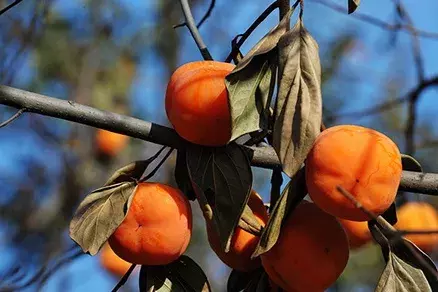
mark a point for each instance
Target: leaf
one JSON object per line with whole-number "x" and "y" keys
{"x": 398, "y": 276}
{"x": 184, "y": 274}
{"x": 292, "y": 195}
{"x": 131, "y": 172}
{"x": 99, "y": 215}
{"x": 249, "y": 223}
{"x": 410, "y": 163}
{"x": 238, "y": 280}
{"x": 353, "y": 5}
{"x": 251, "y": 84}
{"x": 249, "y": 93}
{"x": 182, "y": 175}
{"x": 390, "y": 214}
{"x": 298, "y": 111}
{"x": 222, "y": 180}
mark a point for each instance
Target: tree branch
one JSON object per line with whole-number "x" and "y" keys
{"x": 10, "y": 6}
{"x": 208, "y": 13}
{"x": 377, "y": 22}
{"x": 264, "y": 157}
{"x": 190, "y": 22}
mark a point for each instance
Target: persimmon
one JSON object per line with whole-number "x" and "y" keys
{"x": 197, "y": 102}
{"x": 157, "y": 227}
{"x": 310, "y": 253}
{"x": 110, "y": 143}
{"x": 419, "y": 216}
{"x": 363, "y": 161}
{"x": 243, "y": 243}
{"x": 112, "y": 262}
{"x": 358, "y": 233}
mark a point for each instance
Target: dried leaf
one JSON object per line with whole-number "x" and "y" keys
{"x": 410, "y": 163}
{"x": 249, "y": 223}
{"x": 182, "y": 175}
{"x": 298, "y": 111}
{"x": 99, "y": 215}
{"x": 182, "y": 275}
{"x": 292, "y": 195}
{"x": 251, "y": 84}
{"x": 222, "y": 180}
{"x": 398, "y": 276}
{"x": 353, "y": 5}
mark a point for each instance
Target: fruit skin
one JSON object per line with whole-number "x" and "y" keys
{"x": 112, "y": 262}
{"x": 311, "y": 252}
{"x": 358, "y": 233}
{"x": 197, "y": 102}
{"x": 157, "y": 227}
{"x": 419, "y": 216}
{"x": 363, "y": 161}
{"x": 243, "y": 243}
{"x": 110, "y": 143}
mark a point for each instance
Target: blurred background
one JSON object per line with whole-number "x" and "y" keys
{"x": 118, "y": 55}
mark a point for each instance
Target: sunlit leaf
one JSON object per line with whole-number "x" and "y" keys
{"x": 99, "y": 215}
{"x": 222, "y": 180}
{"x": 298, "y": 111}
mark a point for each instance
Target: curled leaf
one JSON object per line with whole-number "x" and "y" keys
{"x": 292, "y": 195}
{"x": 222, "y": 180}
{"x": 410, "y": 163}
{"x": 99, "y": 215}
{"x": 249, "y": 223}
{"x": 298, "y": 110}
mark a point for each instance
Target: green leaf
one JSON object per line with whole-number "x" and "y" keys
{"x": 399, "y": 276}
{"x": 353, "y": 5}
{"x": 249, "y": 93}
{"x": 292, "y": 195}
{"x": 99, "y": 215}
{"x": 410, "y": 163}
{"x": 131, "y": 172}
{"x": 298, "y": 111}
{"x": 222, "y": 180}
{"x": 182, "y": 175}
{"x": 181, "y": 275}
{"x": 251, "y": 84}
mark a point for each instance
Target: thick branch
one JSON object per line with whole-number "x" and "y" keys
{"x": 264, "y": 157}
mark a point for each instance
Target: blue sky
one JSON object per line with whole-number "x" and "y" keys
{"x": 370, "y": 58}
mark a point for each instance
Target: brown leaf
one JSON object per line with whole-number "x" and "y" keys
{"x": 131, "y": 172}
{"x": 99, "y": 215}
{"x": 249, "y": 223}
{"x": 353, "y": 5}
{"x": 298, "y": 111}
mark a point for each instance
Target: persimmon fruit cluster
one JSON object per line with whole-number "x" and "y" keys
{"x": 363, "y": 161}
{"x": 243, "y": 243}
{"x": 157, "y": 227}
{"x": 197, "y": 102}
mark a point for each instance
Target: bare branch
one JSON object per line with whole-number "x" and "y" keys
{"x": 377, "y": 22}
{"x": 190, "y": 22}
{"x": 264, "y": 157}
{"x": 208, "y": 13}
{"x": 10, "y": 6}
{"x": 13, "y": 118}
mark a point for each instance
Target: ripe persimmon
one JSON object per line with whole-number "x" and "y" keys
{"x": 311, "y": 252}
{"x": 157, "y": 227}
{"x": 363, "y": 161}
{"x": 197, "y": 102}
{"x": 419, "y": 216}
{"x": 112, "y": 262}
{"x": 357, "y": 232}
{"x": 243, "y": 243}
{"x": 110, "y": 143}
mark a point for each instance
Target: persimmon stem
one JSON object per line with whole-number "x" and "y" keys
{"x": 190, "y": 23}
{"x": 152, "y": 173}
{"x": 124, "y": 279}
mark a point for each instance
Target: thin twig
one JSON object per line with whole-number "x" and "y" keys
{"x": 13, "y": 118}
{"x": 250, "y": 29}
{"x": 190, "y": 22}
{"x": 10, "y": 6}
{"x": 208, "y": 13}
{"x": 152, "y": 173}
{"x": 377, "y": 22}
{"x": 124, "y": 279}
{"x": 283, "y": 7}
